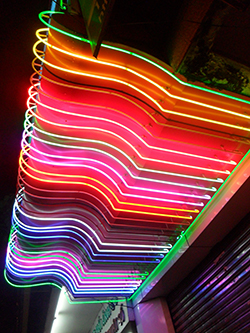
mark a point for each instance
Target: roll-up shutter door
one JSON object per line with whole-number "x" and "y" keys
{"x": 215, "y": 297}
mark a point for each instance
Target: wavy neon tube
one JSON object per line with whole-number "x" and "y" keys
{"x": 117, "y": 277}
{"x": 73, "y": 269}
{"x": 47, "y": 14}
{"x": 148, "y": 96}
{"x": 219, "y": 180}
{"x": 164, "y": 248}
{"x": 135, "y": 232}
{"x": 28, "y": 285}
{"x": 133, "y": 219}
{"x": 80, "y": 266}
{"x": 80, "y": 280}
{"x": 144, "y": 94}
{"x": 44, "y": 41}
{"x": 94, "y": 222}
{"x": 25, "y": 272}
{"x": 107, "y": 173}
{"x": 128, "y": 259}
{"x": 22, "y": 161}
{"x": 27, "y": 147}
{"x": 150, "y": 115}
{"x": 122, "y": 152}
{"x": 47, "y": 261}
{"x": 130, "y": 160}
{"x": 38, "y": 232}
{"x": 102, "y": 193}
{"x": 110, "y": 237}
{"x": 118, "y": 188}
{"x": 99, "y": 276}
{"x": 69, "y": 279}
{"x": 105, "y": 120}
{"x": 81, "y": 88}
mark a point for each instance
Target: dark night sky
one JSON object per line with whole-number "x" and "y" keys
{"x": 19, "y": 21}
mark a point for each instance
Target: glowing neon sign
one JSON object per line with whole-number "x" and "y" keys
{"x": 118, "y": 158}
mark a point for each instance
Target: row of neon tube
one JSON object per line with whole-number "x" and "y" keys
{"x": 102, "y": 186}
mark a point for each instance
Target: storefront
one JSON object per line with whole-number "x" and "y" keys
{"x": 215, "y": 296}
{"x": 114, "y": 318}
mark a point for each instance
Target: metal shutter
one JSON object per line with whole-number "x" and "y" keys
{"x": 215, "y": 297}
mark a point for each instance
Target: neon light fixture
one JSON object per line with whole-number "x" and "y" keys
{"x": 118, "y": 158}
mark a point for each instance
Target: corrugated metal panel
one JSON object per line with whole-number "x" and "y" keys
{"x": 216, "y": 296}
